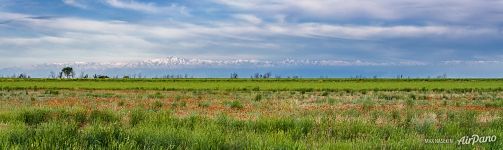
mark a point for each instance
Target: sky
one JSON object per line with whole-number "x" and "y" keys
{"x": 410, "y": 32}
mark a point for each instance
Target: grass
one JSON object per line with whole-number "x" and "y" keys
{"x": 162, "y": 130}
{"x": 204, "y": 104}
{"x": 255, "y": 85}
{"x": 300, "y": 116}
{"x": 236, "y": 104}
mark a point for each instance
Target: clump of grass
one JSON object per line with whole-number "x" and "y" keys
{"x": 97, "y": 136}
{"x": 101, "y": 95}
{"x": 325, "y": 93}
{"x": 157, "y": 95}
{"x": 458, "y": 104}
{"x": 136, "y": 116}
{"x": 102, "y": 116}
{"x": 178, "y": 98}
{"x": 51, "y": 92}
{"x": 367, "y": 104}
{"x": 121, "y": 103}
{"x": 444, "y": 103}
{"x": 235, "y": 104}
{"x": 410, "y": 102}
{"x": 331, "y": 101}
{"x": 258, "y": 97}
{"x": 178, "y": 103}
{"x": 80, "y": 117}
{"x": 34, "y": 116}
{"x": 157, "y": 105}
{"x": 494, "y": 104}
{"x": 204, "y": 104}
{"x": 395, "y": 115}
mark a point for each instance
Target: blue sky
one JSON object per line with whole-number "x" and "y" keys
{"x": 417, "y": 32}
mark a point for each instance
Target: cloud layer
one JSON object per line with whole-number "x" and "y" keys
{"x": 373, "y": 31}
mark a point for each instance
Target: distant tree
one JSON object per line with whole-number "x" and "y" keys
{"x": 68, "y": 71}
{"x": 82, "y": 74}
{"x": 23, "y": 76}
{"x": 256, "y": 75}
{"x": 234, "y": 75}
{"x": 52, "y": 75}
{"x": 267, "y": 75}
{"x": 103, "y": 77}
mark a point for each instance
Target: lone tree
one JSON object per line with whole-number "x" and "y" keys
{"x": 68, "y": 72}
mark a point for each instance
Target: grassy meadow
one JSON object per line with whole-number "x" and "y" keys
{"x": 249, "y": 114}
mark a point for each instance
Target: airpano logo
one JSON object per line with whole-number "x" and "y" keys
{"x": 465, "y": 140}
{"x": 474, "y": 139}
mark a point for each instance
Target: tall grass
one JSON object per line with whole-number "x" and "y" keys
{"x": 105, "y": 129}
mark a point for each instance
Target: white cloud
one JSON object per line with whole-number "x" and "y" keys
{"x": 248, "y": 18}
{"x": 379, "y": 32}
{"x": 461, "y": 11}
{"x": 147, "y": 7}
{"x": 472, "y": 62}
{"x": 177, "y": 30}
{"x": 75, "y": 3}
{"x": 103, "y": 40}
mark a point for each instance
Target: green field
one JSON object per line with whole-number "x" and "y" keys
{"x": 250, "y": 84}
{"x": 249, "y": 114}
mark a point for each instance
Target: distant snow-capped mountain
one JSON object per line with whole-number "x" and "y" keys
{"x": 176, "y": 62}
{"x": 209, "y": 67}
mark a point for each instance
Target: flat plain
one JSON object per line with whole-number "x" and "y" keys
{"x": 249, "y": 113}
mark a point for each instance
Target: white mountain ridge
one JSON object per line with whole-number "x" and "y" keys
{"x": 177, "y": 62}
